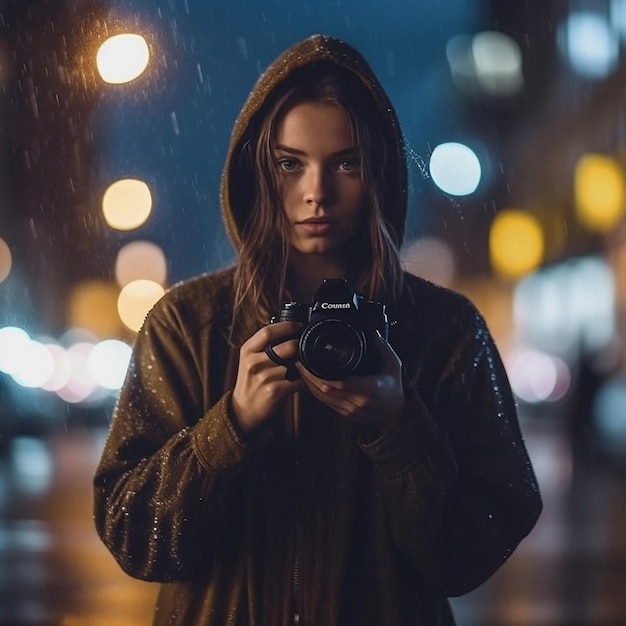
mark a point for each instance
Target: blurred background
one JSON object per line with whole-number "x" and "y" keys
{"x": 114, "y": 122}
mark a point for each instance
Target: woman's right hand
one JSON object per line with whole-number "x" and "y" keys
{"x": 261, "y": 385}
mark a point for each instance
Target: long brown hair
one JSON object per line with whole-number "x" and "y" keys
{"x": 261, "y": 273}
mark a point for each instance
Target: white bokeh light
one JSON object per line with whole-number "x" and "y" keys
{"x": 108, "y": 362}
{"x": 12, "y": 342}
{"x": 498, "y": 61}
{"x": 455, "y": 168}
{"x": 489, "y": 61}
{"x": 33, "y": 365}
{"x": 590, "y": 44}
{"x": 583, "y": 288}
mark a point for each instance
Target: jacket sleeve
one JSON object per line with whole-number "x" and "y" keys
{"x": 459, "y": 488}
{"x": 161, "y": 487}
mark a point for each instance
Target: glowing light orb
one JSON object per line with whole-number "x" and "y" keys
{"x": 516, "y": 243}
{"x": 108, "y": 362}
{"x": 127, "y": 204}
{"x": 135, "y": 300}
{"x": 122, "y": 58}
{"x": 600, "y": 192}
{"x": 455, "y": 169}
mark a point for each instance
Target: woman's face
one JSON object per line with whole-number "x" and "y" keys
{"x": 319, "y": 175}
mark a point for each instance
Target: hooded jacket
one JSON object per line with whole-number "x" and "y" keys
{"x": 316, "y": 520}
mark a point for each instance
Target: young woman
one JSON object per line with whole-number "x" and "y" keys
{"x": 260, "y": 498}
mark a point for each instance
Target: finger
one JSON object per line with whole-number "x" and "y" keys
{"x": 325, "y": 386}
{"x": 287, "y": 349}
{"x": 336, "y": 402}
{"x": 350, "y": 394}
{"x": 358, "y": 387}
{"x": 269, "y": 333}
{"x": 274, "y": 376}
{"x": 290, "y": 385}
{"x": 352, "y": 407}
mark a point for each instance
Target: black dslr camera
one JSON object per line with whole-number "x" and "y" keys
{"x": 339, "y": 336}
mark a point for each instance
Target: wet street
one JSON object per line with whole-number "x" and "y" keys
{"x": 54, "y": 571}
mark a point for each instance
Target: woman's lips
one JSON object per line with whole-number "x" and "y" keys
{"x": 316, "y": 226}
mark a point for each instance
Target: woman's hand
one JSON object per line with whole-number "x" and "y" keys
{"x": 261, "y": 385}
{"x": 367, "y": 399}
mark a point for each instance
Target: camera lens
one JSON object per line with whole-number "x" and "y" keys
{"x": 331, "y": 348}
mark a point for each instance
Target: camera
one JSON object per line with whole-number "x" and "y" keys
{"x": 339, "y": 334}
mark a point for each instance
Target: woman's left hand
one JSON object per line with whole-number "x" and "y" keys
{"x": 371, "y": 399}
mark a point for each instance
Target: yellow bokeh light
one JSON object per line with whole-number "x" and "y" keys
{"x": 6, "y": 261}
{"x": 599, "y": 192}
{"x": 92, "y": 305}
{"x": 127, "y": 204}
{"x": 135, "y": 301}
{"x": 122, "y": 58}
{"x": 516, "y": 243}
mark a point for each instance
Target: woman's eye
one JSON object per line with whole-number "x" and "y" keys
{"x": 348, "y": 165}
{"x": 288, "y": 165}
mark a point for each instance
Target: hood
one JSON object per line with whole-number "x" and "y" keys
{"x": 236, "y": 183}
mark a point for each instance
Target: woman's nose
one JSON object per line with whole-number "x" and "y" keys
{"x": 317, "y": 187}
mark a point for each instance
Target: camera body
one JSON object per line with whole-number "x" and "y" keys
{"x": 339, "y": 334}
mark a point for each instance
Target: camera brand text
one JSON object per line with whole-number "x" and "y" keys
{"x": 338, "y": 305}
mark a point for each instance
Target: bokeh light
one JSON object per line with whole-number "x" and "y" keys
{"x": 455, "y": 168}
{"x": 600, "y": 192}
{"x": 140, "y": 260}
{"x": 488, "y": 61}
{"x": 80, "y": 384}
{"x": 32, "y": 365}
{"x": 135, "y": 301}
{"x": 33, "y": 468}
{"x": 589, "y": 44}
{"x": 108, "y": 362}
{"x": 6, "y": 260}
{"x": 609, "y": 414}
{"x": 12, "y": 341}
{"x": 92, "y": 305}
{"x": 568, "y": 308}
{"x": 536, "y": 376}
{"x": 62, "y": 368}
{"x": 498, "y": 62}
{"x": 127, "y": 204}
{"x": 122, "y": 58}
{"x": 516, "y": 243}
{"x": 430, "y": 258}
{"x": 617, "y": 16}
